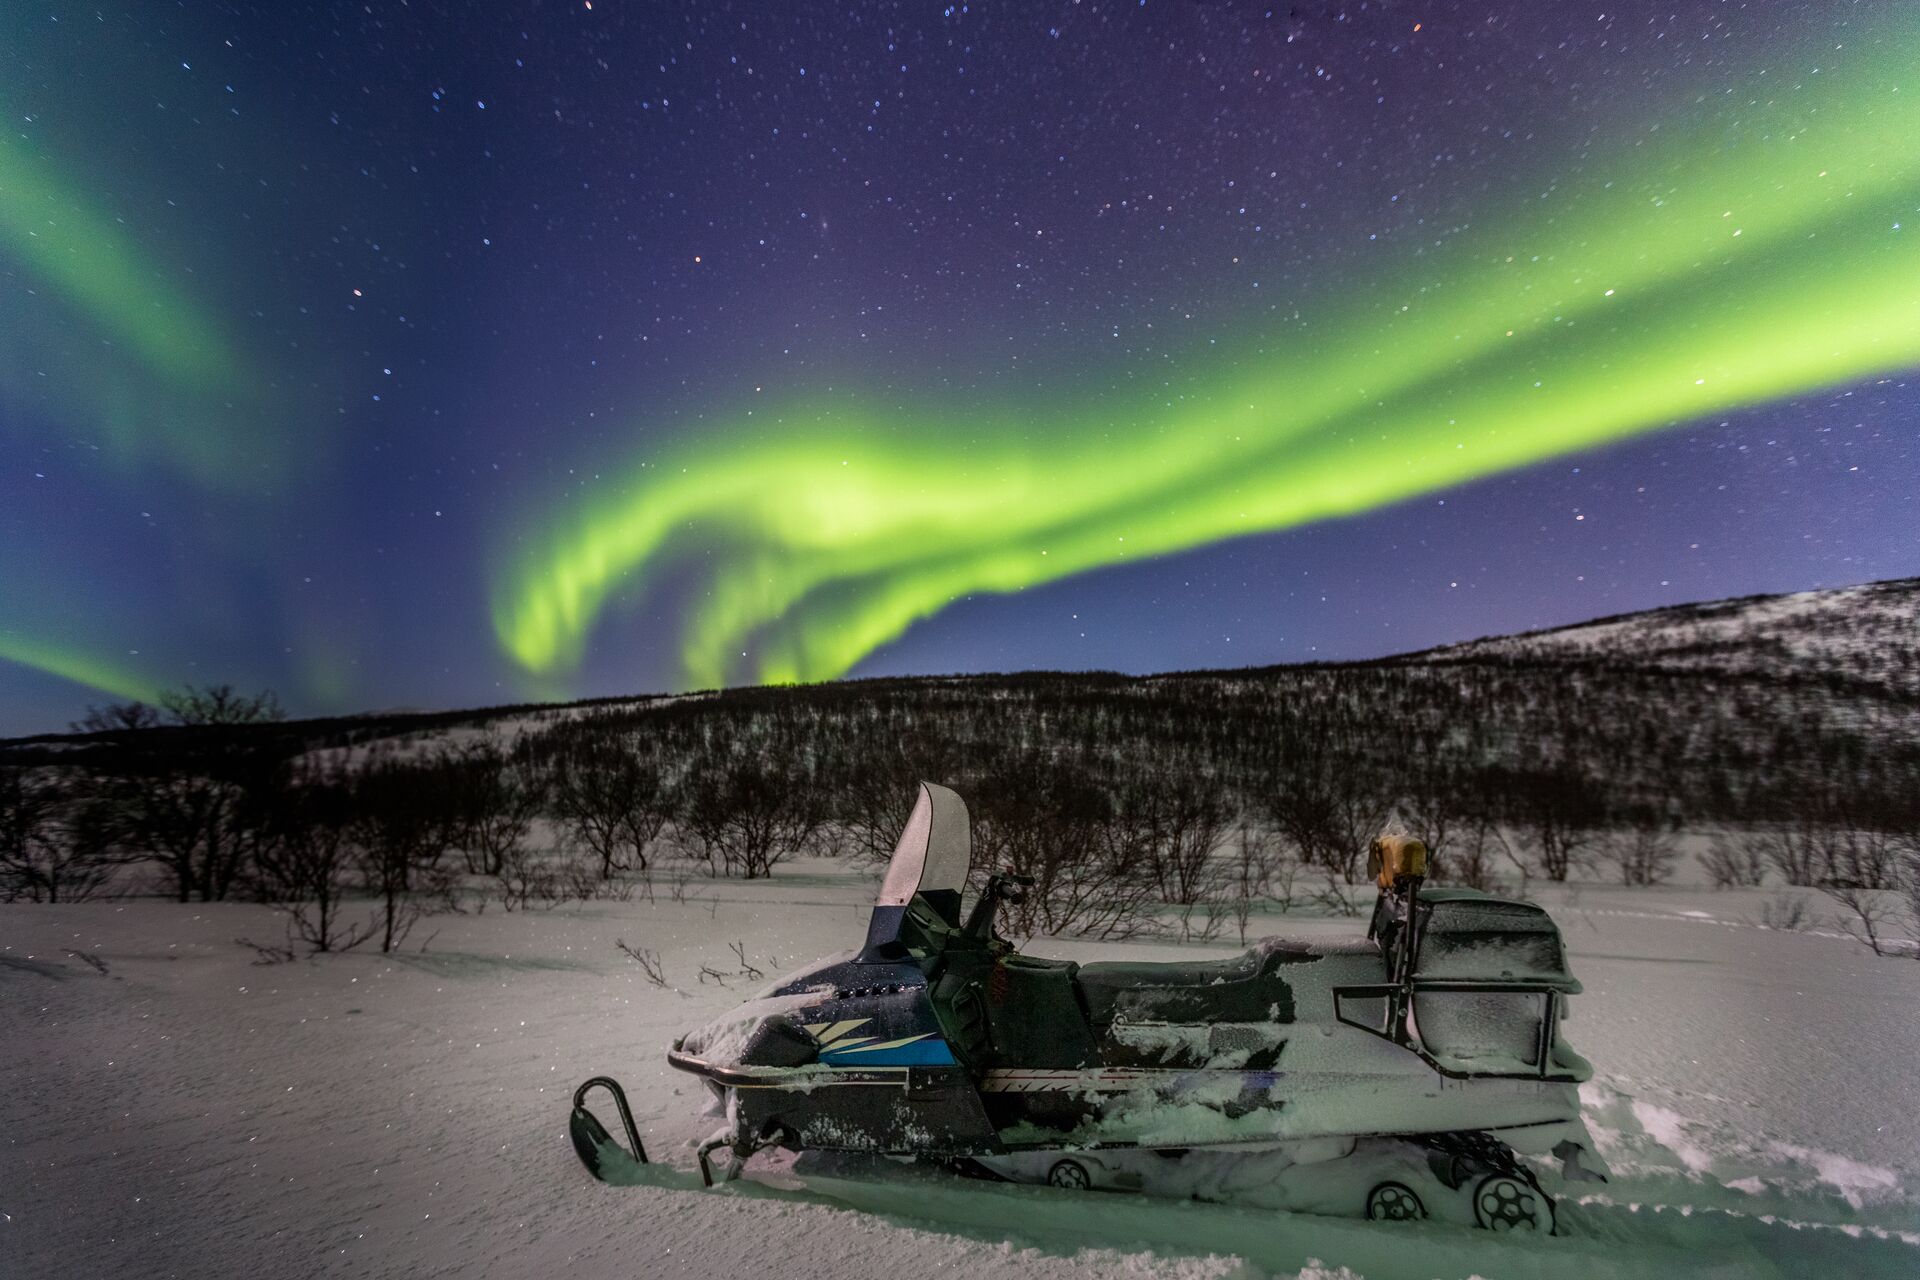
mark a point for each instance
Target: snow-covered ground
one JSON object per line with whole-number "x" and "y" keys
{"x": 187, "y": 1112}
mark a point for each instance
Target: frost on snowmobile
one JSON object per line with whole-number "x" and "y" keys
{"x": 1407, "y": 1067}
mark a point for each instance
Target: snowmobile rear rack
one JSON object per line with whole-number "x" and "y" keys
{"x": 589, "y": 1135}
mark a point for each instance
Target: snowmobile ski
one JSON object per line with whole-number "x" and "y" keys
{"x": 590, "y": 1137}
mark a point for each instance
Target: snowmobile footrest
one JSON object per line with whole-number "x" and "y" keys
{"x": 589, "y": 1135}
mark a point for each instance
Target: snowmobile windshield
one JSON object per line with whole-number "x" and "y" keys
{"x": 929, "y": 864}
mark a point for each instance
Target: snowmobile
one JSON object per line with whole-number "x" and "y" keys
{"x": 1400, "y": 1075}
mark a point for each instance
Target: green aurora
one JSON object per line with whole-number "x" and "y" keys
{"x": 71, "y": 662}
{"x": 1751, "y": 254}
{"x": 125, "y": 354}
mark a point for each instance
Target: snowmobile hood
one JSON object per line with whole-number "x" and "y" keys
{"x": 760, "y": 1032}
{"x": 772, "y": 1028}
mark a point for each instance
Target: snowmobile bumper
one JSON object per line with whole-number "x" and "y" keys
{"x": 590, "y": 1137}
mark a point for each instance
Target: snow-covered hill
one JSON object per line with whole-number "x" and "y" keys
{"x": 1858, "y": 636}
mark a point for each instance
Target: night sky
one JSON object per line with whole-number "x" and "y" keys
{"x": 413, "y": 355}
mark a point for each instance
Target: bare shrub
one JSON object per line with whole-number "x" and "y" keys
{"x": 523, "y": 878}
{"x": 743, "y": 968}
{"x": 620, "y": 889}
{"x": 1338, "y": 899}
{"x": 1171, "y": 824}
{"x": 1435, "y": 806}
{"x": 1644, "y": 853}
{"x": 1734, "y": 862}
{"x": 1861, "y": 856}
{"x": 648, "y": 960}
{"x": 1787, "y": 912}
{"x": 746, "y": 966}
{"x": 680, "y": 891}
{"x": 1330, "y": 811}
{"x": 1800, "y": 851}
{"x": 874, "y": 802}
{"x": 266, "y": 952}
{"x": 1870, "y": 917}
{"x": 1883, "y": 916}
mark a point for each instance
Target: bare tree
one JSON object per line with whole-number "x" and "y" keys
{"x": 401, "y": 828}
{"x": 1171, "y": 824}
{"x": 1559, "y": 812}
{"x": 1256, "y": 873}
{"x": 220, "y": 705}
{"x": 117, "y": 718}
{"x": 747, "y": 814}
{"x": 1049, "y": 820}
{"x": 308, "y": 859}
{"x": 57, "y": 843}
{"x": 185, "y": 801}
{"x": 494, "y": 801}
{"x": 174, "y": 814}
{"x": 611, "y": 802}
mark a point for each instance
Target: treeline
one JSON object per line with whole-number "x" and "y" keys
{"x": 1179, "y": 801}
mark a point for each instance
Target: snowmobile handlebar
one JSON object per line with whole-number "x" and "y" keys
{"x": 1005, "y": 885}
{"x": 1008, "y": 885}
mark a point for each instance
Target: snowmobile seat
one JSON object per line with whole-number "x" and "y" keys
{"x": 1015, "y": 1011}
{"x": 1244, "y": 988}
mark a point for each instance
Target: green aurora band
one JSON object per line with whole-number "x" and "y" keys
{"x": 88, "y": 260}
{"x": 133, "y": 358}
{"x": 1762, "y": 260}
{"x": 68, "y": 663}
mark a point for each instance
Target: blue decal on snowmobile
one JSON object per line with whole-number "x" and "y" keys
{"x": 926, "y": 1050}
